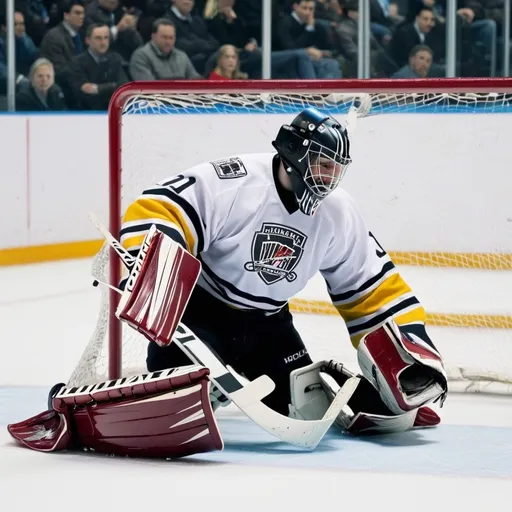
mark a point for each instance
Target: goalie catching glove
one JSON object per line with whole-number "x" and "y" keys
{"x": 314, "y": 386}
{"x": 402, "y": 374}
{"x": 406, "y": 371}
{"x": 165, "y": 414}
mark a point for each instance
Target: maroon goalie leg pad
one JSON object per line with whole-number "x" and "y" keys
{"x": 46, "y": 432}
{"x": 169, "y": 425}
{"x": 165, "y": 414}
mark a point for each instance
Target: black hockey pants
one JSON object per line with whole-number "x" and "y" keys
{"x": 252, "y": 343}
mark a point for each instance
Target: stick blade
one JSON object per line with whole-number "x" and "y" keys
{"x": 303, "y": 433}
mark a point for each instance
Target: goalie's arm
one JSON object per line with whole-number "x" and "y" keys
{"x": 364, "y": 284}
{"x": 385, "y": 320}
{"x": 178, "y": 206}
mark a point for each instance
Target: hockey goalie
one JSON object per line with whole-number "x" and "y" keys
{"x": 170, "y": 413}
{"x": 213, "y": 256}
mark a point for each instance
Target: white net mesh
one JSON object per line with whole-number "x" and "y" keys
{"x": 164, "y": 133}
{"x": 93, "y": 364}
{"x": 335, "y": 102}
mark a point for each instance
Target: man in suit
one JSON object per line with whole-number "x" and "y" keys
{"x": 61, "y": 43}
{"x": 95, "y": 74}
{"x": 299, "y": 30}
{"x": 410, "y": 34}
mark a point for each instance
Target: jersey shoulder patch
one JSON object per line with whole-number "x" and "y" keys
{"x": 229, "y": 168}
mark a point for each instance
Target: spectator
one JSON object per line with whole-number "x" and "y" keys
{"x": 410, "y": 34}
{"x": 346, "y": 32}
{"x": 159, "y": 59}
{"x": 122, "y": 23}
{"x": 250, "y": 11}
{"x": 192, "y": 35}
{"x": 61, "y": 43}
{"x": 36, "y": 18}
{"x": 228, "y": 65}
{"x": 384, "y": 17}
{"x": 95, "y": 74}
{"x": 328, "y": 10}
{"x": 227, "y": 27}
{"x": 26, "y": 52}
{"x": 299, "y": 30}
{"x": 476, "y": 35}
{"x": 420, "y": 61}
{"x": 224, "y": 24}
{"x": 42, "y": 94}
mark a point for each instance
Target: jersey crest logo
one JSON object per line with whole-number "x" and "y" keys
{"x": 229, "y": 168}
{"x": 276, "y": 250}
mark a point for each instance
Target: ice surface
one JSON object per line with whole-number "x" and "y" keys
{"x": 47, "y": 313}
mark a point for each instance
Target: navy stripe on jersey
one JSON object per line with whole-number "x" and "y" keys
{"x": 241, "y": 294}
{"x": 169, "y": 231}
{"x": 220, "y": 294}
{"x": 186, "y": 207}
{"x": 214, "y": 286}
{"x": 368, "y": 284}
{"x": 135, "y": 229}
{"x": 378, "y": 319}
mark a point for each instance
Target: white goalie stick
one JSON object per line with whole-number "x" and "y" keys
{"x": 125, "y": 256}
{"x": 247, "y": 397}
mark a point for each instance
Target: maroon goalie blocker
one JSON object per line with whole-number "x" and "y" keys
{"x": 158, "y": 287}
{"x": 163, "y": 414}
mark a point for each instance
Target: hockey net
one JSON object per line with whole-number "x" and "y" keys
{"x": 160, "y": 128}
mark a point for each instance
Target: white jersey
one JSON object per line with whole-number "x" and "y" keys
{"x": 257, "y": 252}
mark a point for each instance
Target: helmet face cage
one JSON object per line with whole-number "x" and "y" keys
{"x": 324, "y": 169}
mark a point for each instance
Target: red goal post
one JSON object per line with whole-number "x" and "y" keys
{"x": 382, "y": 93}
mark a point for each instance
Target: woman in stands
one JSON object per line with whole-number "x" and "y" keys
{"x": 42, "y": 94}
{"x": 228, "y": 65}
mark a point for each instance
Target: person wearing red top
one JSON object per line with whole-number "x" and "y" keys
{"x": 228, "y": 65}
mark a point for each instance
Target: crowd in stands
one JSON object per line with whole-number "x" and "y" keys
{"x": 73, "y": 54}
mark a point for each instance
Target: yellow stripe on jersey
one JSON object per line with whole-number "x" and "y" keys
{"x": 133, "y": 242}
{"x": 414, "y": 316}
{"x": 143, "y": 208}
{"x": 384, "y": 297}
{"x": 389, "y": 290}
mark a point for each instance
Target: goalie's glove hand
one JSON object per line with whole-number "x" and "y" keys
{"x": 406, "y": 371}
{"x": 416, "y": 378}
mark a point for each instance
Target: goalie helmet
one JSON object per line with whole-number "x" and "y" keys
{"x": 315, "y": 152}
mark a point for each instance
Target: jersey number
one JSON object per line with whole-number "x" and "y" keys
{"x": 380, "y": 250}
{"x": 179, "y": 183}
